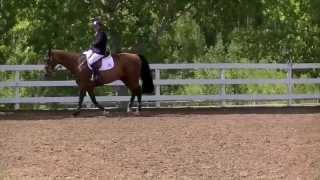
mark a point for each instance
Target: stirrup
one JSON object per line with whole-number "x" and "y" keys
{"x": 92, "y": 78}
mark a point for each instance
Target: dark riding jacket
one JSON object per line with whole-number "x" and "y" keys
{"x": 99, "y": 46}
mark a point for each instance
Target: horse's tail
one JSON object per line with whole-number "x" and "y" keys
{"x": 146, "y": 76}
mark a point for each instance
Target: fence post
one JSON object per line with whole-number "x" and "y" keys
{"x": 289, "y": 79}
{"x": 158, "y": 90}
{"x": 17, "y": 91}
{"x": 223, "y": 87}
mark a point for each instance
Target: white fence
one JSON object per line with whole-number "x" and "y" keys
{"x": 158, "y": 97}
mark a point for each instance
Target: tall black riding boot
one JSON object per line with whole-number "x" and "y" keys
{"x": 95, "y": 74}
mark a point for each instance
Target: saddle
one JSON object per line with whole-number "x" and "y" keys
{"x": 103, "y": 64}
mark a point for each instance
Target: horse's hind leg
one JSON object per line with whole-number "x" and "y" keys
{"x": 130, "y": 105}
{"x": 137, "y": 92}
{"x": 133, "y": 95}
{"x": 134, "y": 92}
{"x": 81, "y": 96}
{"x": 139, "y": 99}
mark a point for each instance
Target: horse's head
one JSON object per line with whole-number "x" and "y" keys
{"x": 50, "y": 64}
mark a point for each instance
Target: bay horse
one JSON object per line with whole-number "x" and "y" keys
{"x": 128, "y": 68}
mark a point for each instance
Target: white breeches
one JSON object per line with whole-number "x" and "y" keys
{"x": 92, "y": 57}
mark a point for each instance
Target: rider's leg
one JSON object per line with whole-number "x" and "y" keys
{"x": 92, "y": 62}
{"x": 95, "y": 72}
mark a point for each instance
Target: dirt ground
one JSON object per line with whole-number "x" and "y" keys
{"x": 249, "y": 143}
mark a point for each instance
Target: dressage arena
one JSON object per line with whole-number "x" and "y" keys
{"x": 213, "y": 143}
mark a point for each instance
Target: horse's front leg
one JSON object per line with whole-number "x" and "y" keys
{"x": 94, "y": 101}
{"x": 81, "y": 96}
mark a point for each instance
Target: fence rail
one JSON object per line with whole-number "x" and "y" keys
{"x": 289, "y": 81}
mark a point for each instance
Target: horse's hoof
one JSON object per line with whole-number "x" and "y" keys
{"x": 76, "y": 113}
{"x": 137, "y": 113}
{"x": 129, "y": 110}
{"x": 106, "y": 113}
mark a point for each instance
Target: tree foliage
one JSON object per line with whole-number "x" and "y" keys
{"x": 166, "y": 30}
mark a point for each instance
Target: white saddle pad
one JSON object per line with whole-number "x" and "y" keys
{"x": 106, "y": 64}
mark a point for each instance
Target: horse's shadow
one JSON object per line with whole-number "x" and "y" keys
{"x": 34, "y": 115}
{"x": 152, "y": 112}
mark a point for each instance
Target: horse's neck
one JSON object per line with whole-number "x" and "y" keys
{"x": 69, "y": 62}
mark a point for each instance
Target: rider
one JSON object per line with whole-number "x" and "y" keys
{"x": 98, "y": 48}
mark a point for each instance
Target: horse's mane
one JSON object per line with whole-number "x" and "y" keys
{"x": 62, "y": 52}
{"x": 73, "y": 56}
